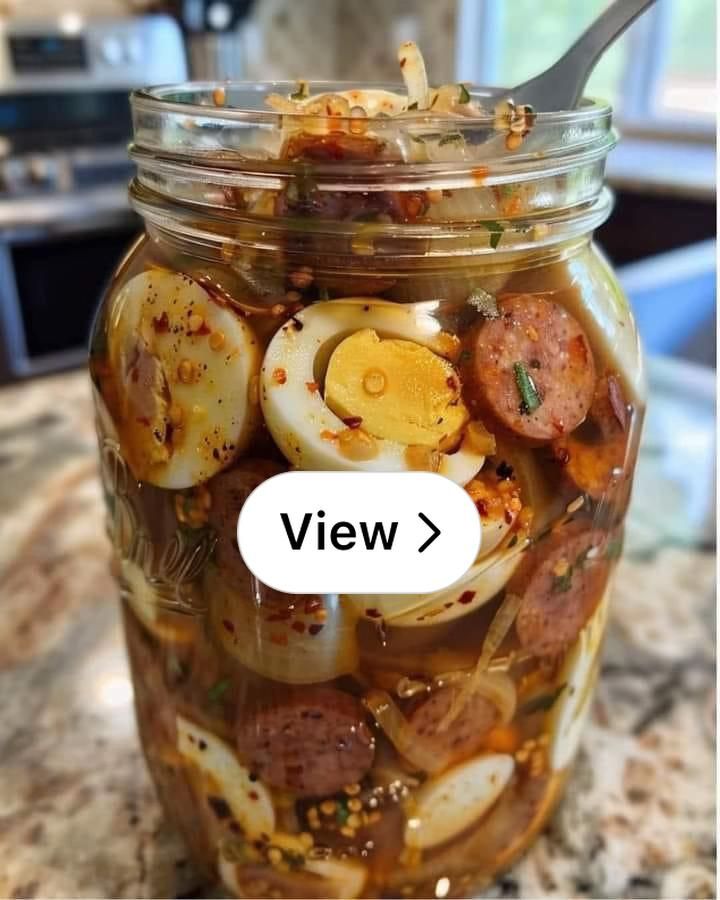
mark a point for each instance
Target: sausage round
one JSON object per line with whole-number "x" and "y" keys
{"x": 229, "y": 491}
{"x": 311, "y": 741}
{"x": 539, "y": 340}
{"x": 561, "y": 582}
{"x": 594, "y": 457}
{"x": 466, "y": 734}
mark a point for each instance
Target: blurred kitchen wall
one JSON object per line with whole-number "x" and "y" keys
{"x": 352, "y": 39}
{"x": 660, "y": 77}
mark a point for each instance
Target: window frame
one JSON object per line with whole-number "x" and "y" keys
{"x": 477, "y": 59}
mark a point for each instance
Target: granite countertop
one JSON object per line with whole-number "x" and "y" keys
{"x": 78, "y": 815}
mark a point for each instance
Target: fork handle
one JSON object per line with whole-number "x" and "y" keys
{"x": 561, "y": 86}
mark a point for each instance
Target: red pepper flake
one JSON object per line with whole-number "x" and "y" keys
{"x": 161, "y": 324}
{"x": 414, "y": 204}
{"x": 578, "y": 348}
{"x": 562, "y": 455}
{"x": 353, "y": 421}
{"x": 203, "y": 329}
{"x": 452, "y": 383}
{"x": 482, "y": 508}
{"x": 466, "y": 597}
{"x": 315, "y": 629}
{"x": 228, "y": 626}
{"x": 479, "y": 174}
{"x": 617, "y": 401}
{"x": 299, "y": 627}
{"x": 281, "y": 616}
{"x": 279, "y": 376}
{"x": 373, "y": 613}
{"x": 253, "y": 795}
{"x": 312, "y": 386}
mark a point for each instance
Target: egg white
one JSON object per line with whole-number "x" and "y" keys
{"x": 449, "y": 803}
{"x": 217, "y": 408}
{"x": 300, "y": 421}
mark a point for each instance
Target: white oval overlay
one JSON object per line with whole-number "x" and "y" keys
{"x": 358, "y": 532}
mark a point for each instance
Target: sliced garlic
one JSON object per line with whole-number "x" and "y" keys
{"x": 448, "y": 804}
{"x": 249, "y": 800}
{"x": 341, "y": 879}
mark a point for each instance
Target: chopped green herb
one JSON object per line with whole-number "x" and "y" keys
{"x": 452, "y": 138}
{"x": 413, "y": 105}
{"x": 484, "y": 303}
{"x": 293, "y": 859}
{"x": 419, "y": 139}
{"x": 513, "y": 540}
{"x": 302, "y": 92}
{"x": 217, "y": 691}
{"x": 342, "y": 813}
{"x": 562, "y": 583}
{"x": 177, "y": 668}
{"x": 582, "y": 558}
{"x": 542, "y": 703}
{"x": 464, "y": 94}
{"x": 530, "y": 399}
{"x": 614, "y": 548}
{"x": 496, "y": 232}
{"x": 434, "y": 99}
{"x": 465, "y": 356}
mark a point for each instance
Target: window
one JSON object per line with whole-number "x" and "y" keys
{"x": 660, "y": 75}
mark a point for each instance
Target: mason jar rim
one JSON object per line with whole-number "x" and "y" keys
{"x": 159, "y": 97}
{"x": 195, "y": 159}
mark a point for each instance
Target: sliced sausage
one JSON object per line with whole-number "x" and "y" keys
{"x": 466, "y": 734}
{"x": 337, "y": 146}
{"x": 561, "y": 582}
{"x": 594, "y": 456}
{"x": 229, "y": 491}
{"x": 311, "y": 741}
{"x": 531, "y": 368}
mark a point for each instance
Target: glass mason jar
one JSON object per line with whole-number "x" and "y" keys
{"x": 351, "y": 293}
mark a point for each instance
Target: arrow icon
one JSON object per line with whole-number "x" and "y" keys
{"x": 435, "y": 532}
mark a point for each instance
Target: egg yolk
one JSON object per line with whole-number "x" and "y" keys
{"x": 400, "y": 390}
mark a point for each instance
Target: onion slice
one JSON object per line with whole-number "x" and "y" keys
{"x": 414, "y": 75}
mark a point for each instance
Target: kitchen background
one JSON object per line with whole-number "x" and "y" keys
{"x": 78, "y": 814}
{"x": 66, "y": 67}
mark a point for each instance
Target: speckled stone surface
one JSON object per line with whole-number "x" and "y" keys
{"x": 78, "y": 816}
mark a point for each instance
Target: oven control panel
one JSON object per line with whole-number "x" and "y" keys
{"x": 73, "y": 53}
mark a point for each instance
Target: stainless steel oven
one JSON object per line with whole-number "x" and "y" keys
{"x": 64, "y": 216}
